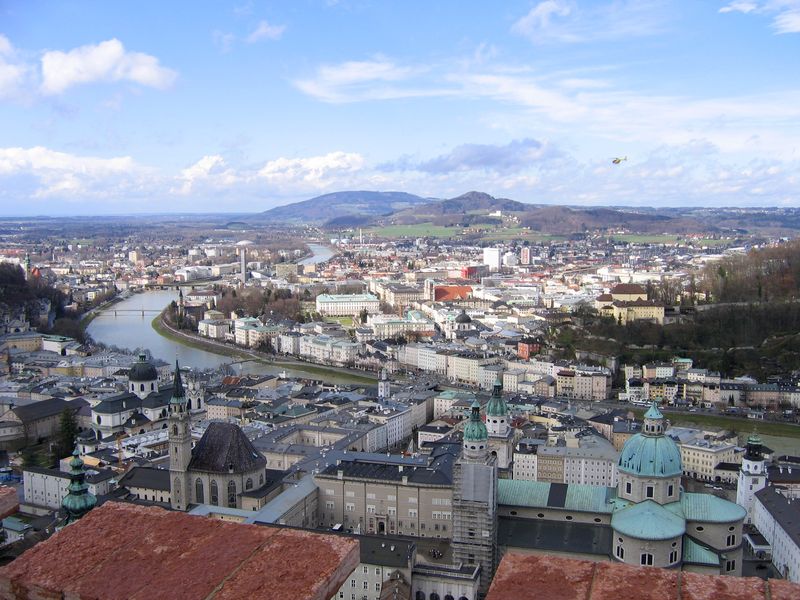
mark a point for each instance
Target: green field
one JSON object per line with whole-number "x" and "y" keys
{"x": 668, "y": 239}
{"x": 343, "y": 321}
{"x": 416, "y": 230}
{"x": 739, "y": 425}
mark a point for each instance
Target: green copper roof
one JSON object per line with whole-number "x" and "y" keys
{"x": 497, "y": 406}
{"x": 521, "y": 492}
{"x": 78, "y": 500}
{"x": 475, "y": 430}
{"x": 537, "y": 494}
{"x": 650, "y": 456}
{"x": 707, "y": 508}
{"x": 648, "y": 520}
{"x": 653, "y": 412}
{"x": 697, "y": 554}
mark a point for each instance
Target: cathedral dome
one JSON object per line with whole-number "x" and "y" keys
{"x": 143, "y": 370}
{"x": 651, "y": 453}
{"x": 463, "y": 318}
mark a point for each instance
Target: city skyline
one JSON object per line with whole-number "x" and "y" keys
{"x": 243, "y": 108}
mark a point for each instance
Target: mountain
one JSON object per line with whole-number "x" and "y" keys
{"x": 342, "y": 209}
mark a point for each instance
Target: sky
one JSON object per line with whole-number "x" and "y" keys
{"x": 202, "y": 106}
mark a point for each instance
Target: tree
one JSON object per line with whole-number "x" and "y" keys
{"x": 363, "y": 315}
{"x": 67, "y": 431}
{"x": 29, "y": 457}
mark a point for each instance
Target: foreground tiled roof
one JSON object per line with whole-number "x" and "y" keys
{"x": 532, "y": 577}
{"x": 121, "y": 551}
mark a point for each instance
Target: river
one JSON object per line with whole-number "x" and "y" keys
{"x": 132, "y": 330}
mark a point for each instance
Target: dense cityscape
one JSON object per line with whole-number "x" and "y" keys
{"x": 535, "y": 371}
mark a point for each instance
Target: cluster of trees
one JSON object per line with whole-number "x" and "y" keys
{"x": 277, "y": 303}
{"x": 754, "y": 339}
{"x": 758, "y": 276}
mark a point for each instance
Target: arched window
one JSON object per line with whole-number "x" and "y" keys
{"x": 141, "y": 387}
{"x": 214, "y": 493}
{"x": 174, "y": 430}
{"x": 98, "y": 419}
{"x": 231, "y": 494}
{"x": 152, "y": 386}
{"x": 434, "y": 596}
{"x": 449, "y": 597}
{"x": 261, "y": 479}
{"x": 248, "y": 484}
{"x": 189, "y": 404}
{"x": 420, "y": 595}
{"x": 198, "y": 491}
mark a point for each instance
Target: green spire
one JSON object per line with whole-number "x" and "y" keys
{"x": 475, "y": 430}
{"x": 78, "y": 500}
{"x": 178, "y": 395}
{"x": 497, "y": 407}
{"x": 653, "y": 412}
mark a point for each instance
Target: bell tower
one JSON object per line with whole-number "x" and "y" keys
{"x": 752, "y": 475}
{"x": 180, "y": 444}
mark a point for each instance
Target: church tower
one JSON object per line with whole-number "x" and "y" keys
{"x": 475, "y": 501}
{"x": 497, "y": 423}
{"x": 180, "y": 444}
{"x": 384, "y": 386}
{"x": 78, "y": 500}
{"x": 752, "y": 475}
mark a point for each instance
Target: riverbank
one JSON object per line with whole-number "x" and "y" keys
{"x": 162, "y": 328}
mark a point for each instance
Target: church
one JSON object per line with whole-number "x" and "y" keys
{"x": 648, "y": 519}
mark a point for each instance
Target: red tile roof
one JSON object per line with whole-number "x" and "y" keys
{"x": 451, "y": 293}
{"x": 9, "y": 501}
{"x": 123, "y": 551}
{"x": 533, "y": 577}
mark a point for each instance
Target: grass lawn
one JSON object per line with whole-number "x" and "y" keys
{"x": 416, "y": 230}
{"x": 343, "y": 321}
{"x": 740, "y": 425}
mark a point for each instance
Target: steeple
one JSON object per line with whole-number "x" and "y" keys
{"x": 78, "y": 500}
{"x": 497, "y": 407}
{"x": 178, "y": 393}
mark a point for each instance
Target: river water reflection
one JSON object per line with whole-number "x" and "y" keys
{"x": 123, "y": 325}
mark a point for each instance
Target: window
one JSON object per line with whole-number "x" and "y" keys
{"x": 730, "y": 565}
{"x": 650, "y": 491}
{"x": 646, "y": 559}
{"x": 199, "y": 496}
{"x": 699, "y": 528}
{"x": 231, "y": 494}
{"x": 673, "y": 557}
{"x": 628, "y": 487}
{"x": 620, "y": 552}
{"x": 412, "y": 512}
{"x": 731, "y": 540}
{"x": 214, "y": 493}
{"x": 366, "y": 583}
{"x": 349, "y": 507}
{"x": 248, "y": 484}
{"x": 377, "y": 587}
{"x": 329, "y": 505}
{"x": 670, "y": 490}
{"x": 568, "y": 517}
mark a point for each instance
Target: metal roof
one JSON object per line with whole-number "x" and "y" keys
{"x": 710, "y": 509}
{"x": 648, "y": 520}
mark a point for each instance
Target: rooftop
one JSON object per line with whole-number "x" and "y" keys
{"x": 531, "y": 577}
{"x": 122, "y": 551}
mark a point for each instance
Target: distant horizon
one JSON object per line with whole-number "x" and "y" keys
{"x": 200, "y": 213}
{"x": 134, "y": 108}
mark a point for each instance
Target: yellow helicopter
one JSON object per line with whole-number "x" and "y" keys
{"x": 618, "y": 160}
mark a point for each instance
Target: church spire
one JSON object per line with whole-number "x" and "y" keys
{"x": 497, "y": 406}
{"x": 178, "y": 393}
{"x": 78, "y": 500}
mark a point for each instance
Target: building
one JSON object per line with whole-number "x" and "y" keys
{"x": 492, "y": 257}
{"x": 647, "y": 519}
{"x": 475, "y": 501}
{"x": 48, "y": 487}
{"x": 701, "y": 458}
{"x": 347, "y": 305}
{"x": 752, "y": 476}
{"x": 498, "y": 424}
{"x": 777, "y": 518}
{"x": 592, "y": 463}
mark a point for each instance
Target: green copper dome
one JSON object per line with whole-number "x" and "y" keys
{"x": 78, "y": 500}
{"x": 497, "y": 407}
{"x": 651, "y": 453}
{"x": 475, "y": 430}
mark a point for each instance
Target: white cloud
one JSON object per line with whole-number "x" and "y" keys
{"x": 314, "y": 171}
{"x": 785, "y": 13}
{"x": 59, "y": 174}
{"x": 210, "y": 171}
{"x": 223, "y": 40}
{"x": 742, "y": 6}
{"x": 13, "y": 72}
{"x": 106, "y": 61}
{"x": 265, "y": 31}
{"x": 563, "y": 21}
{"x": 376, "y": 79}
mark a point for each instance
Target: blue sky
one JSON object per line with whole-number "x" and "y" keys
{"x": 221, "y": 107}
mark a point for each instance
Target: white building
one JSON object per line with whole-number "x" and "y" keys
{"x": 347, "y": 305}
{"x": 778, "y": 520}
{"x": 48, "y": 487}
{"x": 752, "y": 476}
{"x": 492, "y": 258}
{"x": 397, "y": 420}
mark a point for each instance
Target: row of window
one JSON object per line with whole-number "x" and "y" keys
{"x": 214, "y": 496}
{"x": 645, "y": 558}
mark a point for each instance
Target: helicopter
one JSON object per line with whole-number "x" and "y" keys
{"x": 618, "y": 160}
